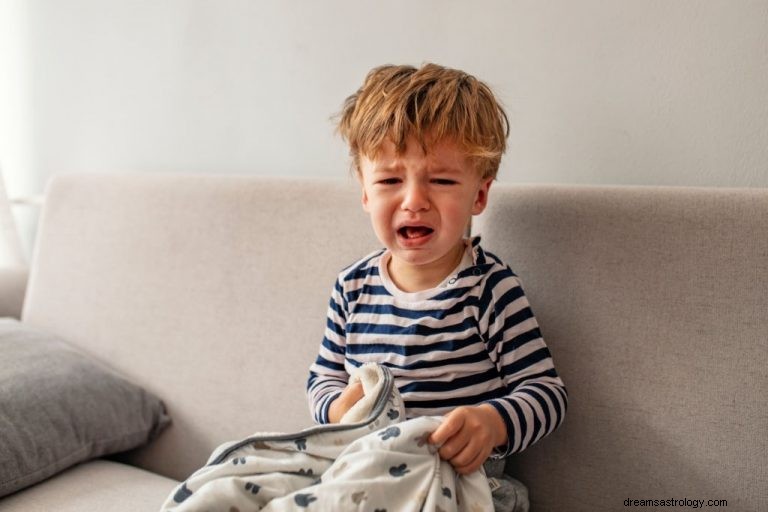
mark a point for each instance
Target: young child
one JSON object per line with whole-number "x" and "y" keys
{"x": 449, "y": 319}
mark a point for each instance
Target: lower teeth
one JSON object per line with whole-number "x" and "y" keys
{"x": 415, "y": 233}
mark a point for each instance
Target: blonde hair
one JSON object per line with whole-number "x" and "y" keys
{"x": 430, "y": 103}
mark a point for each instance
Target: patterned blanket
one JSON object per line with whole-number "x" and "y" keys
{"x": 382, "y": 463}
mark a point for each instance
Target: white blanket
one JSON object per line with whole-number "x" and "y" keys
{"x": 374, "y": 461}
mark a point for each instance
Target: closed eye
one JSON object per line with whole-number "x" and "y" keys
{"x": 443, "y": 181}
{"x": 389, "y": 181}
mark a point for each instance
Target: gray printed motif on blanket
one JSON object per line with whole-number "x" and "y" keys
{"x": 381, "y": 464}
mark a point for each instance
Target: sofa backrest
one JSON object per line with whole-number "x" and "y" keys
{"x": 210, "y": 291}
{"x": 654, "y": 303}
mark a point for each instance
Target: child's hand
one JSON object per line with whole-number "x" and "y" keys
{"x": 467, "y": 436}
{"x": 349, "y": 397}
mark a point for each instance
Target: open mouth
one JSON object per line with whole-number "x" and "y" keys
{"x": 411, "y": 232}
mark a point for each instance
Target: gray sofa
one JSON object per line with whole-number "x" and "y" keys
{"x": 210, "y": 292}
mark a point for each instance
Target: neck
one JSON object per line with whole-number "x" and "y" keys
{"x": 415, "y": 278}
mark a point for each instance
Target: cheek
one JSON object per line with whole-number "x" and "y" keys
{"x": 460, "y": 211}
{"x": 457, "y": 216}
{"x": 380, "y": 202}
{"x": 381, "y": 216}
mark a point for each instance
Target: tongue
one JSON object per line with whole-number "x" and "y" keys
{"x": 416, "y": 232}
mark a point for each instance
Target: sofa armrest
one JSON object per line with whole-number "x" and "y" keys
{"x": 13, "y": 285}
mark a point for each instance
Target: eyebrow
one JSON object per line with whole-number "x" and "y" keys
{"x": 398, "y": 168}
{"x": 448, "y": 170}
{"x": 387, "y": 168}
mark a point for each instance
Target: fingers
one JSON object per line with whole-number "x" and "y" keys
{"x": 349, "y": 397}
{"x": 464, "y": 440}
{"x": 464, "y": 451}
{"x": 352, "y": 393}
{"x": 476, "y": 459}
{"x": 454, "y": 446}
{"x": 355, "y": 392}
{"x": 450, "y": 426}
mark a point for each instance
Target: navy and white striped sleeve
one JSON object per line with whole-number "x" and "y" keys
{"x": 536, "y": 398}
{"x": 327, "y": 376}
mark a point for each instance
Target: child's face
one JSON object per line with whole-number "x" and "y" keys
{"x": 420, "y": 204}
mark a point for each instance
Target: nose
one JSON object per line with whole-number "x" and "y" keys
{"x": 416, "y": 197}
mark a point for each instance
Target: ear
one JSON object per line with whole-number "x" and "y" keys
{"x": 364, "y": 199}
{"x": 481, "y": 198}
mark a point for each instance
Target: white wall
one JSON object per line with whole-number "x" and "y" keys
{"x": 606, "y": 92}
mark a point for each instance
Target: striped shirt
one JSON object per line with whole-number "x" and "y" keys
{"x": 471, "y": 340}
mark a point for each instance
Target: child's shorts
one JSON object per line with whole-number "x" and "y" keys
{"x": 509, "y": 495}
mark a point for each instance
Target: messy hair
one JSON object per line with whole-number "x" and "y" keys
{"x": 430, "y": 103}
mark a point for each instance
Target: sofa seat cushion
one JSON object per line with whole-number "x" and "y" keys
{"x": 97, "y": 485}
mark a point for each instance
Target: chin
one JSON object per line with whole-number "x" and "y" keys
{"x": 415, "y": 257}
